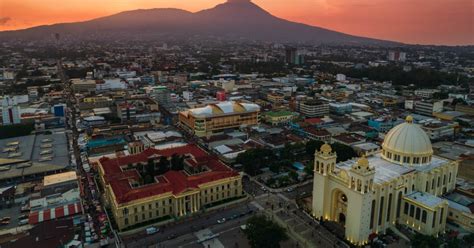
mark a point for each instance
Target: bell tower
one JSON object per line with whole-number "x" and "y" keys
{"x": 324, "y": 165}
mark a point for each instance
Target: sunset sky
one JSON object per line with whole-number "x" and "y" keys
{"x": 449, "y": 22}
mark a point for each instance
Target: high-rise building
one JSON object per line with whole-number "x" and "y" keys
{"x": 400, "y": 185}
{"x": 10, "y": 111}
{"x": 397, "y": 56}
{"x": 293, "y": 56}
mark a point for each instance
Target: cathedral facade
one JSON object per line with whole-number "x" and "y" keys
{"x": 400, "y": 184}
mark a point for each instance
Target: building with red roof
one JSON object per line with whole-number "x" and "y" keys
{"x": 202, "y": 182}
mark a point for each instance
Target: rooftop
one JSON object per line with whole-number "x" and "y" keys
{"x": 425, "y": 199}
{"x": 174, "y": 182}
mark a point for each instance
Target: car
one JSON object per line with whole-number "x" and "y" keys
{"x": 4, "y": 222}
{"x": 233, "y": 217}
{"x": 23, "y": 222}
{"x": 5, "y": 219}
{"x": 220, "y": 221}
{"x": 289, "y": 189}
{"x": 23, "y": 216}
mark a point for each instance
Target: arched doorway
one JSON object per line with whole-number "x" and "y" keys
{"x": 339, "y": 207}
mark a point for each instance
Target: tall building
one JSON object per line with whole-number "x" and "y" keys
{"x": 396, "y": 56}
{"x": 293, "y": 56}
{"x": 202, "y": 183}
{"x": 10, "y": 111}
{"x": 427, "y": 108}
{"x": 400, "y": 184}
{"x": 313, "y": 108}
{"x": 217, "y": 118}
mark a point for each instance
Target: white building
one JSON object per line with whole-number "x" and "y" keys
{"x": 10, "y": 111}
{"x": 400, "y": 184}
{"x": 341, "y": 77}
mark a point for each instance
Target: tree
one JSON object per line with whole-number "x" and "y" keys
{"x": 309, "y": 168}
{"x": 177, "y": 162}
{"x": 344, "y": 152}
{"x": 293, "y": 175}
{"x": 264, "y": 233}
{"x": 425, "y": 241}
{"x": 312, "y": 146}
{"x": 469, "y": 239}
{"x": 255, "y": 159}
{"x": 150, "y": 167}
{"x": 163, "y": 165}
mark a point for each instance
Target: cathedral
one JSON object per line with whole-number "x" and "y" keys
{"x": 399, "y": 184}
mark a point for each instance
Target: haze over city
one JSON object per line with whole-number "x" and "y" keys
{"x": 437, "y": 22}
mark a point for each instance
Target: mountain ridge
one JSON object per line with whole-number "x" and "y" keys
{"x": 235, "y": 19}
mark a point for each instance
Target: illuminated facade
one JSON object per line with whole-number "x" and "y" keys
{"x": 204, "y": 182}
{"x": 216, "y": 118}
{"x": 400, "y": 184}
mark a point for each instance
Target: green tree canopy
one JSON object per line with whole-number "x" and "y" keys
{"x": 263, "y": 233}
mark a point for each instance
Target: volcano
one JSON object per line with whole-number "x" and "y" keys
{"x": 235, "y": 19}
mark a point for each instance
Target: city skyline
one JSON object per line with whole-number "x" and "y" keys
{"x": 417, "y": 22}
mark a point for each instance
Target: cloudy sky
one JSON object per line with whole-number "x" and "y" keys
{"x": 449, "y": 22}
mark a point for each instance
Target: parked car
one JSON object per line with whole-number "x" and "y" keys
{"x": 23, "y": 222}
{"x": 5, "y": 219}
{"x": 220, "y": 221}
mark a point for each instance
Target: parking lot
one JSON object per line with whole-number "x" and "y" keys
{"x": 13, "y": 213}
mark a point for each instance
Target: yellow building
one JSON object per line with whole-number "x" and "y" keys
{"x": 216, "y": 118}
{"x": 400, "y": 184}
{"x": 137, "y": 200}
{"x": 279, "y": 118}
{"x": 275, "y": 98}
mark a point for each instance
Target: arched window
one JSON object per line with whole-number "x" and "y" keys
{"x": 399, "y": 203}
{"x": 381, "y": 210}
{"x": 389, "y": 206}
{"x": 372, "y": 215}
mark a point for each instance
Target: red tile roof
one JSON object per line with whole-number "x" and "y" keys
{"x": 174, "y": 182}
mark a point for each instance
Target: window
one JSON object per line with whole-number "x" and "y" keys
{"x": 426, "y": 186}
{"x": 405, "y": 210}
{"x": 444, "y": 179}
{"x": 389, "y": 206}
{"x": 423, "y": 216}
{"x": 143, "y": 208}
{"x": 381, "y": 210}
{"x": 399, "y": 203}
{"x": 441, "y": 216}
{"x": 434, "y": 219}
{"x": 412, "y": 211}
{"x": 449, "y": 177}
{"x": 136, "y": 218}
{"x": 150, "y": 215}
{"x": 439, "y": 181}
{"x": 125, "y": 211}
{"x": 143, "y": 216}
{"x": 372, "y": 214}
{"x": 432, "y": 183}
{"x": 157, "y": 212}
{"x": 406, "y": 160}
{"x": 418, "y": 212}
{"x": 126, "y": 221}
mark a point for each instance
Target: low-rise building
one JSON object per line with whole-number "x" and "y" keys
{"x": 279, "y": 117}
{"x": 203, "y": 182}
{"x": 216, "y": 118}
